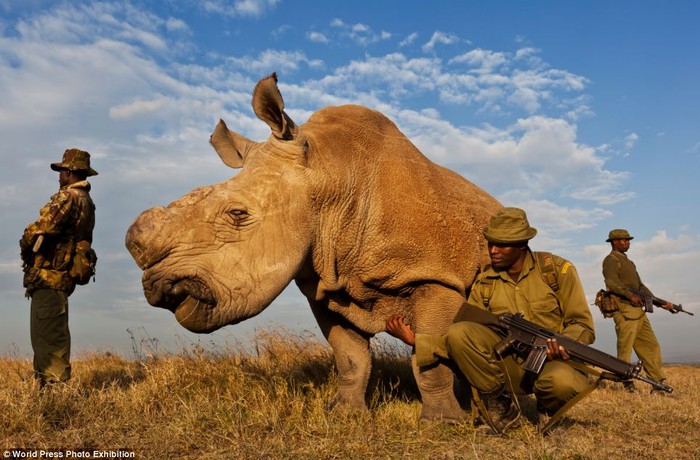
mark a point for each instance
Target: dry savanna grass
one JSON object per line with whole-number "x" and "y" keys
{"x": 269, "y": 400}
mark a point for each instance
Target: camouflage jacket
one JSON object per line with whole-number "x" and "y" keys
{"x": 67, "y": 218}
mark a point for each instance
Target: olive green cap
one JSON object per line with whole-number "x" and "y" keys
{"x": 75, "y": 160}
{"x": 619, "y": 234}
{"x": 509, "y": 225}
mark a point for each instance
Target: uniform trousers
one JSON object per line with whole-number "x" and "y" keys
{"x": 50, "y": 335}
{"x": 637, "y": 335}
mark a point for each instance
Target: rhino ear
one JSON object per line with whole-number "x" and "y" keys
{"x": 231, "y": 147}
{"x": 268, "y": 105}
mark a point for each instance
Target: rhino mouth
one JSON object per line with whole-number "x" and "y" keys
{"x": 180, "y": 293}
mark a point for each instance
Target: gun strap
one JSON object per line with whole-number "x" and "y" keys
{"x": 576, "y": 399}
{"x": 480, "y": 407}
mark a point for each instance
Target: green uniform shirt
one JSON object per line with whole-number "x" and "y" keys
{"x": 565, "y": 311}
{"x": 621, "y": 275}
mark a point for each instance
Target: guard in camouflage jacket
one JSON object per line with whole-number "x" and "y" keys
{"x": 48, "y": 248}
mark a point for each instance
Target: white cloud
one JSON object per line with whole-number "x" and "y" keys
{"x": 441, "y": 38}
{"x": 559, "y": 226}
{"x": 579, "y": 111}
{"x": 317, "y": 37}
{"x": 138, "y": 106}
{"x": 630, "y": 141}
{"x": 173, "y": 24}
{"x": 282, "y": 30}
{"x": 273, "y": 60}
{"x": 484, "y": 61}
{"x": 243, "y": 8}
{"x": 359, "y": 33}
{"x": 408, "y": 40}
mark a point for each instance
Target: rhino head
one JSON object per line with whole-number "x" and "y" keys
{"x": 222, "y": 253}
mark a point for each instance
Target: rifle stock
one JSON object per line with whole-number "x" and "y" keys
{"x": 525, "y": 336}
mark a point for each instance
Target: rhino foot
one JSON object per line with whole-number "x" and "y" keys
{"x": 343, "y": 402}
{"x": 445, "y": 410}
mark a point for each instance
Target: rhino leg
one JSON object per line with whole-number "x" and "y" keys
{"x": 438, "y": 393}
{"x": 435, "y": 308}
{"x": 352, "y": 357}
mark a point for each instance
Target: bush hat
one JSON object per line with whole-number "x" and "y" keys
{"x": 619, "y": 234}
{"x": 75, "y": 160}
{"x": 509, "y": 225}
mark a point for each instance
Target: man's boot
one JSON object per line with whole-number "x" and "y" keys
{"x": 502, "y": 412}
{"x": 543, "y": 418}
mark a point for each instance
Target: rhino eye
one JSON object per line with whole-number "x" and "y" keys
{"x": 239, "y": 216}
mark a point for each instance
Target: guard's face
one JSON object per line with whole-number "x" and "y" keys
{"x": 504, "y": 256}
{"x": 63, "y": 177}
{"x": 621, "y": 245}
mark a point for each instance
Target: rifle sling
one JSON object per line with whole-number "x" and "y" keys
{"x": 576, "y": 399}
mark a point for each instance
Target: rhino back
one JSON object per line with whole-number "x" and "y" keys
{"x": 394, "y": 217}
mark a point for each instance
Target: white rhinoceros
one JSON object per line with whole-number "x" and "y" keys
{"x": 347, "y": 207}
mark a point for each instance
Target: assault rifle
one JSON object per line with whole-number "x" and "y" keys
{"x": 650, "y": 301}
{"x": 524, "y": 336}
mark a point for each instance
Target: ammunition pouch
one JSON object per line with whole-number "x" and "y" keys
{"x": 607, "y": 302}
{"x": 84, "y": 263}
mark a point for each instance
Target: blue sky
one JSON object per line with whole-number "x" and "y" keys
{"x": 585, "y": 114}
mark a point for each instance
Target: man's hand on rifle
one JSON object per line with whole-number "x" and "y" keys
{"x": 556, "y": 351}
{"x": 636, "y": 300}
{"x": 670, "y": 307}
{"x": 395, "y": 326}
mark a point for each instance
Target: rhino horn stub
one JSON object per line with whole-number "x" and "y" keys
{"x": 231, "y": 147}
{"x": 268, "y": 105}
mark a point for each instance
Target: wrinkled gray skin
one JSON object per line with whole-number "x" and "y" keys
{"x": 347, "y": 207}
